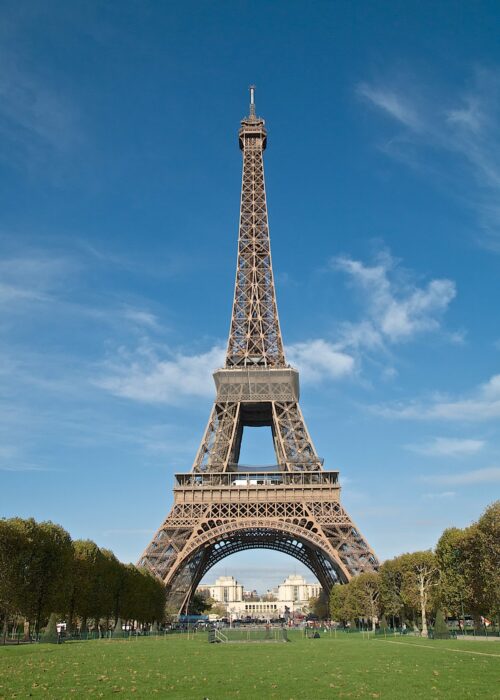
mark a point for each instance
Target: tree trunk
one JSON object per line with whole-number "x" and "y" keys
{"x": 5, "y": 627}
{"x": 26, "y": 631}
{"x": 477, "y": 621}
{"x": 69, "y": 623}
{"x": 423, "y": 600}
{"x": 38, "y": 614}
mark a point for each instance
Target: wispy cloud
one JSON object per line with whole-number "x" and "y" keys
{"x": 318, "y": 359}
{"x": 488, "y": 475}
{"x": 482, "y": 404}
{"x": 141, "y": 317}
{"x": 448, "y": 447}
{"x": 33, "y": 282}
{"x": 464, "y": 125}
{"x": 440, "y": 495}
{"x": 36, "y": 121}
{"x": 12, "y": 459}
{"x": 397, "y": 308}
{"x": 31, "y": 277}
{"x": 25, "y": 468}
{"x": 391, "y": 102}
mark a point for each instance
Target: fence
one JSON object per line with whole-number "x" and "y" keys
{"x": 18, "y": 637}
{"x": 266, "y": 633}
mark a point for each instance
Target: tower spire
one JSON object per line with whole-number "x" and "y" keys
{"x": 255, "y": 335}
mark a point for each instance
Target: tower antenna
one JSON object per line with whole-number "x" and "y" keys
{"x": 252, "y": 100}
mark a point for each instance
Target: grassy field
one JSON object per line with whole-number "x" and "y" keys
{"x": 310, "y": 669}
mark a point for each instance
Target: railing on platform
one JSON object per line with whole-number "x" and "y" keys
{"x": 264, "y": 479}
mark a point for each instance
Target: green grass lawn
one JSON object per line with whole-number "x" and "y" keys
{"x": 176, "y": 667}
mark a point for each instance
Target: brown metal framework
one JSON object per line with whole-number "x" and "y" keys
{"x": 294, "y": 506}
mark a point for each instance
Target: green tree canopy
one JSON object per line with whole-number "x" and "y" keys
{"x": 390, "y": 585}
{"x": 47, "y": 573}
{"x": 455, "y": 591}
{"x": 14, "y": 558}
{"x": 86, "y": 598}
{"x": 469, "y": 561}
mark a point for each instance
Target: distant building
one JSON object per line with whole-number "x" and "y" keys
{"x": 291, "y": 596}
{"x": 226, "y": 589}
{"x": 295, "y": 589}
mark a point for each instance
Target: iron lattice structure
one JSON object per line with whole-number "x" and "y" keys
{"x": 221, "y": 507}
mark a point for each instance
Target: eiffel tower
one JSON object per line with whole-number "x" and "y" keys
{"x": 222, "y": 507}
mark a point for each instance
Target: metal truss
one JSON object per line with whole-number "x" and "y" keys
{"x": 254, "y": 336}
{"x": 195, "y": 536}
{"x": 218, "y": 508}
{"x": 221, "y": 443}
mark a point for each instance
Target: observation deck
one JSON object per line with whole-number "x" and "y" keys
{"x": 264, "y": 486}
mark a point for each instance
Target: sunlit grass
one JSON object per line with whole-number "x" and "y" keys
{"x": 309, "y": 669}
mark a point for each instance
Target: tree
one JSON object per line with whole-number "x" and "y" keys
{"x": 197, "y": 604}
{"x": 218, "y": 609}
{"x": 469, "y": 561}
{"x": 14, "y": 555}
{"x": 364, "y": 595}
{"x": 420, "y": 577}
{"x": 390, "y": 585}
{"x": 50, "y": 634}
{"x": 133, "y": 595}
{"x": 153, "y": 603}
{"x": 454, "y": 590}
{"x": 112, "y": 584}
{"x": 340, "y": 604}
{"x": 46, "y": 577}
{"x": 484, "y": 553}
{"x": 86, "y": 598}
{"x": 441, "y": 630}
{"x": 319, "y": 606}
{"x": 383, "y": 623}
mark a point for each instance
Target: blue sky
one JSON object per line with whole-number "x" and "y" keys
{"x": 119, "y": 187}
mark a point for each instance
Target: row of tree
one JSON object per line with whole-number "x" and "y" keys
{"x": 43, "y": 571}
{"x": 461, "y": 577}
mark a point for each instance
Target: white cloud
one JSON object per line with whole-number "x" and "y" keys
{"x": 317, "y": 359}
{"x": 478, "y": 476}
{"x": 483, "y": 404}
{"x": 448, "y": 447}
{"x": 397, "y": 309}
{"x": 143, "y": 376}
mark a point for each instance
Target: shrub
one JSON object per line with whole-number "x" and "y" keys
{"x": 441, "y": 630}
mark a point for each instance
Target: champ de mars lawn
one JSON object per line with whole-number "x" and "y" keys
{"x": 348, "y": 666}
